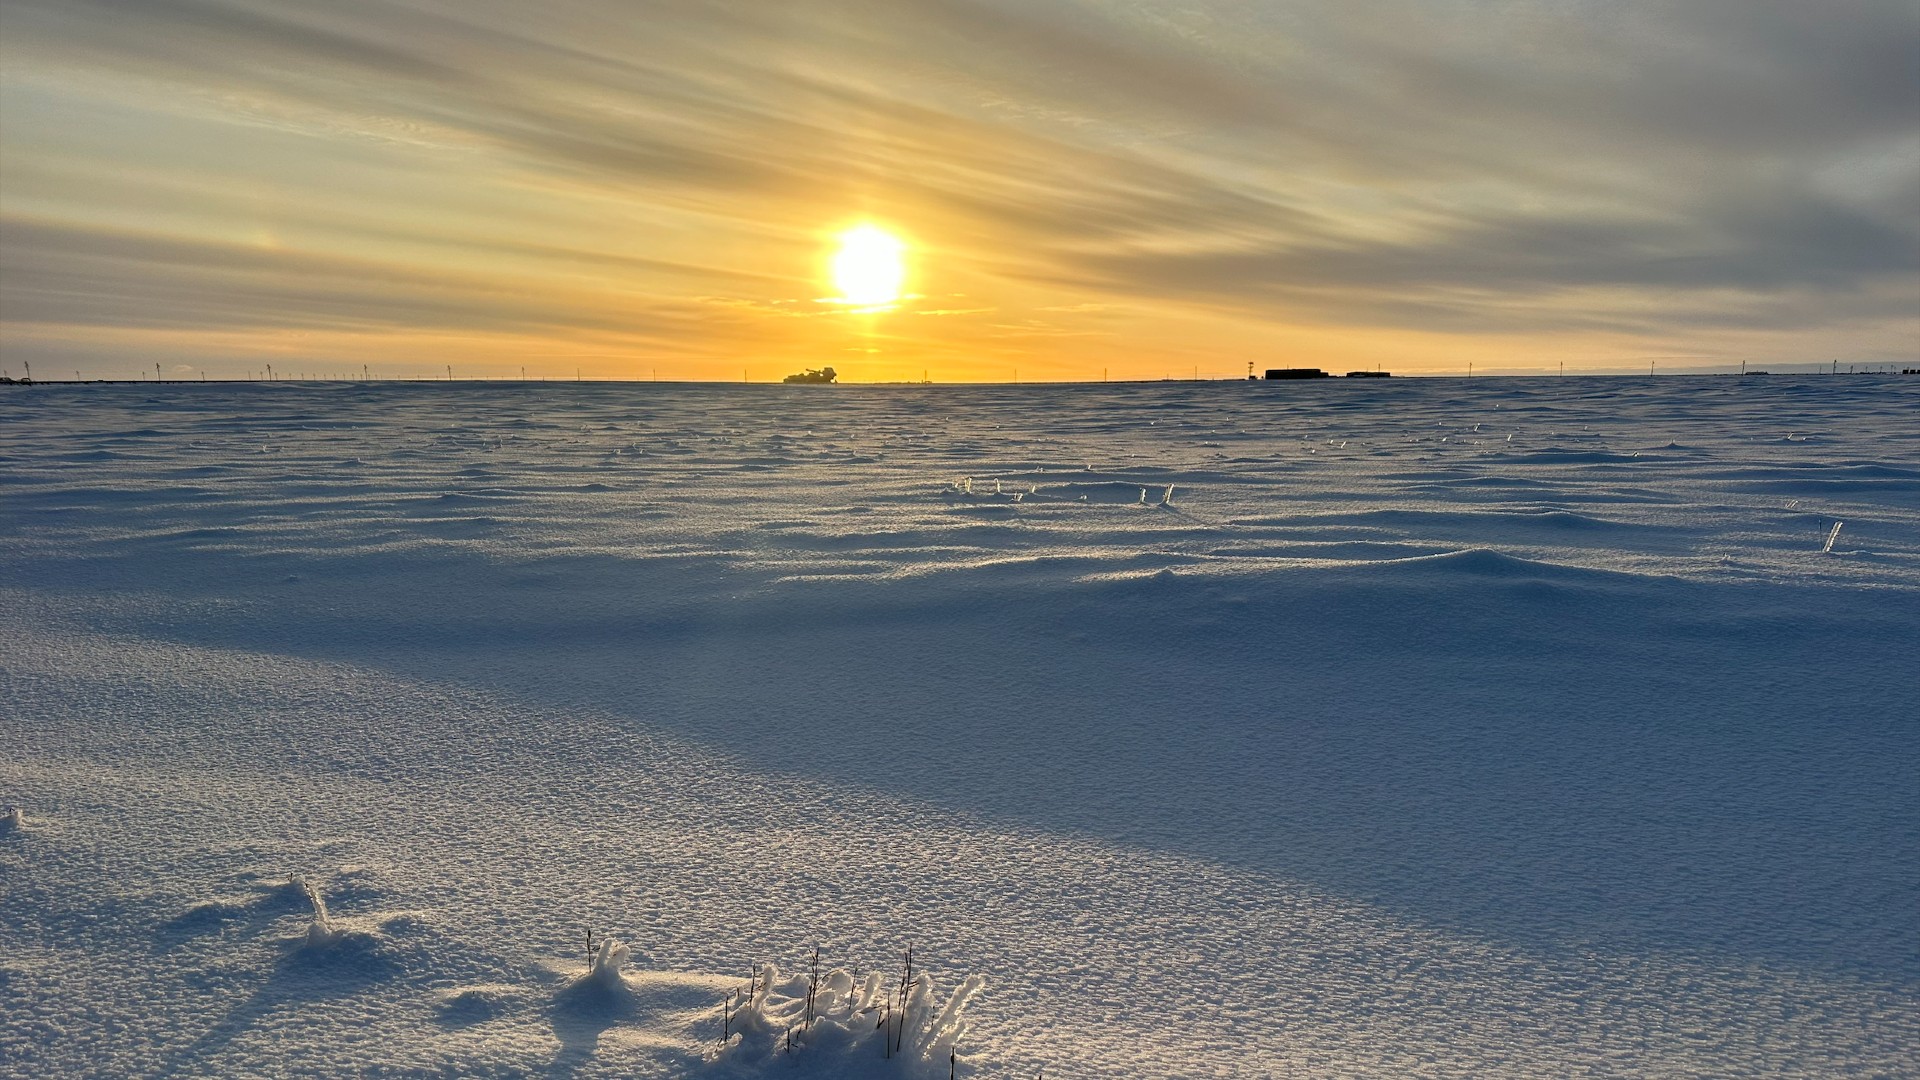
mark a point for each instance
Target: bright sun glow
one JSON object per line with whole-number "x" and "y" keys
{"x": 870, "y": 267}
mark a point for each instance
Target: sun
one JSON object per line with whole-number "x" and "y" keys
{"x": 870, "y": 268}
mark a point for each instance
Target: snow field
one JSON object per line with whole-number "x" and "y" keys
{"x": 1521, "y": 730}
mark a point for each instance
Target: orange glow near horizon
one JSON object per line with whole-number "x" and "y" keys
{"x": 908, "y": 192}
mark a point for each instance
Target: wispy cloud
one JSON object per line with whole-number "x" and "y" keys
{"x": 1216, "y": 175}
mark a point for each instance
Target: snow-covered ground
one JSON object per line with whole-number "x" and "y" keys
{"x": 1425, "y": 728}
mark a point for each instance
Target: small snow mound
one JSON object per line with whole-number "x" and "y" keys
{"x": 207, "y": 915}
{"x": 835, "y": 1025}
{"x": 403, "y": 924}
{"x": 333, "y": 952}
{"x": 1481, "y": 561}
{"x": 466, "y": 1005}
{"x": 280, "y": 892}
{"x": 603, "y": 981}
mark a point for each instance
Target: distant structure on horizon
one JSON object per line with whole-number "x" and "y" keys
{"x": 813, "y": 375}
{"x": 1316, "y": 373}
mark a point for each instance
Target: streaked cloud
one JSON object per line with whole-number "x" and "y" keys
{"x": 645, "y": 184}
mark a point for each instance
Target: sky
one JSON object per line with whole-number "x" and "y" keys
{"x": 1085, "y": 190}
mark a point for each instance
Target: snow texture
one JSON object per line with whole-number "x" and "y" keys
{"x": 1384, "y": 728}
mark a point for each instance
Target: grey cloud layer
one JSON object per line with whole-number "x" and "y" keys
{"x": 117, "y": 278}
{"x": 1472, "y": 167}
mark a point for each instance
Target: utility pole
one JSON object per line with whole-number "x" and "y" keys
{"x": 1469, "y": 369}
